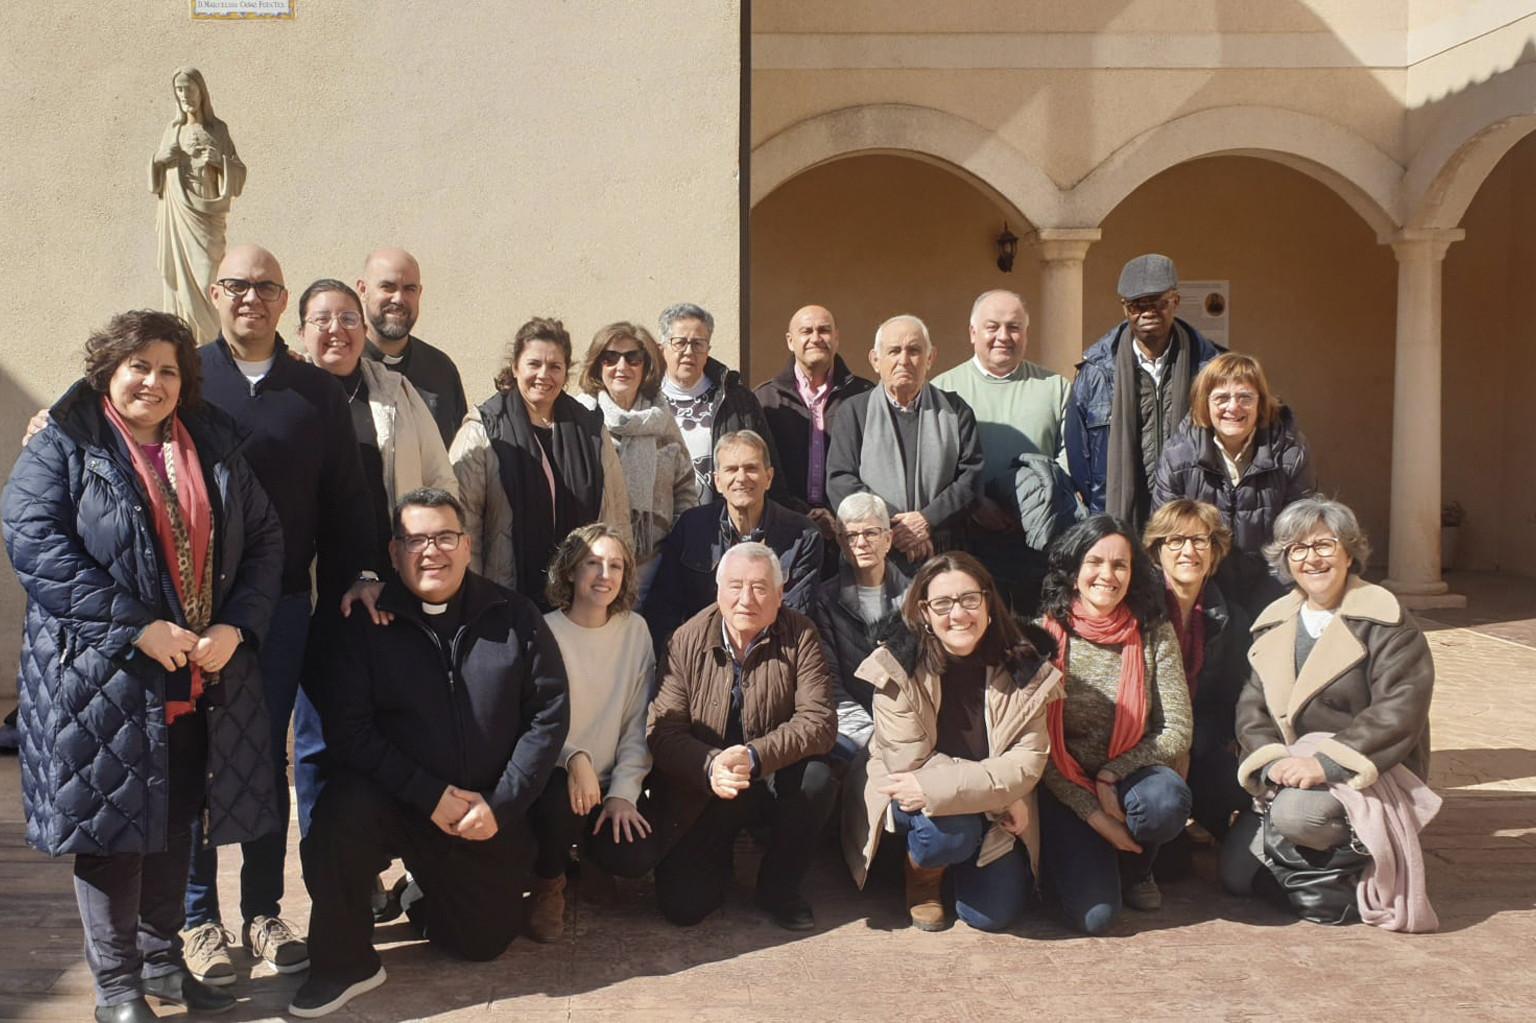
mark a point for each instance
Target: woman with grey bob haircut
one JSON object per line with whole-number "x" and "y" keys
{"x": 858, "y": 607}
{"x": 1300, "y": 517}
{"x": 1333, "y": 732}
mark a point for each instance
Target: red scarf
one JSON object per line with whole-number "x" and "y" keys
{"x": 1130, "y": 699}
{"x": 1191, "y": 643}
{"x": 196, "y": 514}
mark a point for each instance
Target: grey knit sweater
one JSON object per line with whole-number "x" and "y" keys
{"x": 1088, "y": 715}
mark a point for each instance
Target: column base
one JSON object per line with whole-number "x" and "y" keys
{"x": 1424, "y": 596}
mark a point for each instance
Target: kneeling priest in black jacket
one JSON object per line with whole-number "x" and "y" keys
{"x": 443, "y": 726}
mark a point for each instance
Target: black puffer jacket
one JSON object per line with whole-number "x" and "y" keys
{"x": 81, "y": 536}
{"x": 1281, "y": 472}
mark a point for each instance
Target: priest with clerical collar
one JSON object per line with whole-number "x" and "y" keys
{"x": 443, "y": 726}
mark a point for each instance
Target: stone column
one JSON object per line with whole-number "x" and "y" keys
{"x": 1413, "y": 554}
{"x": 1058, "y": 332}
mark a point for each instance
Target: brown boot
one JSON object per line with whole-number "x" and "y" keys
{"x": 546, "y": 909}
{"x": 924, "y": 900}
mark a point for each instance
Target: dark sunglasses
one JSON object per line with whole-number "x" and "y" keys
{"x": 611, "y": 357}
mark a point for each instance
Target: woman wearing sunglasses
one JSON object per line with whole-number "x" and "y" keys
{"x": 621, "y": 379}
{"x": 1336, "y": 712}
{"x": 1111, "y": 797}
{"x": 1240, "y": 451}
{"x": 960, "y": 740}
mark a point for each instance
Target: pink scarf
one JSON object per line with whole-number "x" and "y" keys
{"x": 194, "y": 517}
{"x": 1130, "y": 698}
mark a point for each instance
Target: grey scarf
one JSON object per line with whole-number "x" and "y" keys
{"x": 934, "y": 463}
{"x": 1123, "y": 477}
{"x": 639, "y": 435}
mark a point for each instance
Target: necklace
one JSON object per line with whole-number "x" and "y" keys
{"x": 355, "y": 388}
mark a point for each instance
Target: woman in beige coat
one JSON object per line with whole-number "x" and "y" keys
{"x": 960, "y": 742}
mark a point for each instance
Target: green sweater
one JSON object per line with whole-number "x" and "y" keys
{"x": 1014, "y": 415}
{"x": 1088, "y": 714}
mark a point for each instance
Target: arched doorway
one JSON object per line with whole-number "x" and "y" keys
{"x": 873, "y": 235}
{"x": 1312, "y": 296}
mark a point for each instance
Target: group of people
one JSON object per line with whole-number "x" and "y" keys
{"x": 1041, "y": 633}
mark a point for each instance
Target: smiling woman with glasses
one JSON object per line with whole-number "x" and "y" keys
{"x": 1333, "y": 729}
{"x": 960, "y": 697}
{"x": 1112, "y": 795}
{"x": 1187, "y": 541}
{"x": 621, "y": 378}
{"x": 397, "y": 439}
{"x": 1239, "y": 451}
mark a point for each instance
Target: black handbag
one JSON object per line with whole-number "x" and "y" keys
{"x": 1319, "y": 886}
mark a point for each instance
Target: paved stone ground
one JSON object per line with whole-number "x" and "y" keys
{"x": 1204, "y": 956}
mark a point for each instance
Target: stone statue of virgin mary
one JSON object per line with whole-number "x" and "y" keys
{"x": 196, "y": 173}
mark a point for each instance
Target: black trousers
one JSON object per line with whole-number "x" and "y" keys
{"x": 556, "y": 827}
{"x": 694, "y": 874}
{"x": 132, "y": 905}
{"x": 472, "y": 891}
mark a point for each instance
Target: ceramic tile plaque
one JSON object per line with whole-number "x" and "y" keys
{"x": 231, "y": 10}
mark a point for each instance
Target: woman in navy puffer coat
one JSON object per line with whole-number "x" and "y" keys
{"x": 140, "y": 700}
{"x": 1236, "y": 428}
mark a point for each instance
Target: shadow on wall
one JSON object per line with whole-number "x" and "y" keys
{"x": 16, "y": 407}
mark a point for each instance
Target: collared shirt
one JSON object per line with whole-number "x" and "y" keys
{"x": 729, "y": 537}
{"x": 1239, "y": 465}
{"x": 815, "y": 399}
{"x": 988, "y": 373}
{"x": 1153, "y": 367}
{"x": 898, "y": 406}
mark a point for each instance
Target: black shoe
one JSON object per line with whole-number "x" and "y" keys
{"x": 181, "y": 988}
{"x": 792, "y": 913}
{"x": 386, "y": 904}
{"x": 136, "y": 1011}
{"x": 321, "y": 995}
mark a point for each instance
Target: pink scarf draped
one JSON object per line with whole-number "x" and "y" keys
{"x": 1130, "y": 698}
{"x": 196, "y": 514}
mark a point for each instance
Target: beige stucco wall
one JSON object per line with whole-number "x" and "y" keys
{"x": 577, "y": 160}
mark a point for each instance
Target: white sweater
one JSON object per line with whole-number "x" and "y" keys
{"x": 610, "y": 671}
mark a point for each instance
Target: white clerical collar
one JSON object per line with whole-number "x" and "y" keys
{"x": 433, "y": 609}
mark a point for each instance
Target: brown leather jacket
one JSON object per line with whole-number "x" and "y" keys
{"x": 1367, "y": 683}
{"x": 787, "y": 710}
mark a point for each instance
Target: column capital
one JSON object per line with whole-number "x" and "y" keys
{"x": 1413, "y": 242}
{"x": 1065, "y": 244}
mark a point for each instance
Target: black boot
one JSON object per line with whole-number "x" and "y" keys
{"x": 180, "y": 988}
{"x": 136, "y": 1011}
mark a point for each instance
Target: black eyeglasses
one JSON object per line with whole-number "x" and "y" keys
{"x": 1176, "y": 543}
{"x": 1323, "y": 548}
{"x": 416, "y": 543}
{"x": 611, "y": 357}
{"x": 944, "y": 605}
{"x": 267, "y": 291}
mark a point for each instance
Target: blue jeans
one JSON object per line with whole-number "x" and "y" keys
{"x": 1086, "y": 871}
{"x": 261, "y": 872}
{"x": 987, "y": 898}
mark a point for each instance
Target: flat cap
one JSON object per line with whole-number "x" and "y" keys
{"x": 1147, "y": 275}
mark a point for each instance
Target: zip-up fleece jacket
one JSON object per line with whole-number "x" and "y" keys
{"x": 487, "y": 712}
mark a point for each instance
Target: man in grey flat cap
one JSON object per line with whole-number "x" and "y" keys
{"x": 1114, "y": 435}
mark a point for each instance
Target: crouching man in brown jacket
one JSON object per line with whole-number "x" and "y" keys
{"x": 739, "y": 730}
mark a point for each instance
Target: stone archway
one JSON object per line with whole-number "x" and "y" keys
{"x": 1362, "y": 175}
